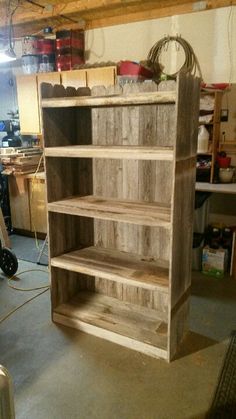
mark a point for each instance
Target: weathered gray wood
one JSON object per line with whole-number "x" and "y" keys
{"x": 136, "y": 150}
{"x": 139, "y": 98}
{"x": 187, "y": 116}
{"x": 138, "y": 323}
{"x": 129, "y": 211}
{"x": 67, "y": 233}
{"x": 182, "y": 232}
{"x": 115, "y": 266}
{"x": 114, "y": 152}
{"x": 68, "y": 177}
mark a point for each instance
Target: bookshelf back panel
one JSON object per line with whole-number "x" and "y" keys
{"x": 68, "y": 232}
{"x": 149, "y": 242}
{"x": 68, "y": 177}
{"x": 67, "y": 126}
{"x": 153, "y": 125}
{"x": 133, "y": 179}
{"x": 66, "y": 284}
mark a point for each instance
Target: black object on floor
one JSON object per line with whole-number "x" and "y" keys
{"x": 224, "y": 403}
{"x": 25, "y": 248}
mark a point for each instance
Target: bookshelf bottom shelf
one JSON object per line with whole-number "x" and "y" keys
{"x": 135, "y": 327}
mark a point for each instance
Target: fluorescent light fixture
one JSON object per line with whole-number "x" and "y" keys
{"x": 7, "y": 56}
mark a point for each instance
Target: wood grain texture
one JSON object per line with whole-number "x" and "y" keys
{"x": 182, "y": 233}
{"x": 67, "y": 233}
{"x": 139, "y": 98}
{"x": 124, "y": 319}
{"x": 75, "y": 175}
{"x": 116, "y": 266}
{"x": 178, "y": 328}
{"x": 121, "y": 265}
{"x": 69, "y": 321}
{"x": 135, "y": 212}
{"x": 114, "y": 152}
{"x": 97, "y": 14}
{"x": 187, "y": 115}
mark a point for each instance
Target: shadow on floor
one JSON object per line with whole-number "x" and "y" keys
{"x": 192, "y": 343}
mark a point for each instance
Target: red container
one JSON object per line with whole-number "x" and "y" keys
{"x": 68, "y": 61}
{"x": 46, "y": 46}
{"x": 223, "y": 162}
{"x": 65, "y": 43}
{"x": 130, "y": 68}
{"x": 69, "y": 49}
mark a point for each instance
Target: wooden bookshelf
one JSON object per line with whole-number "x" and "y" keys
{"x": 120, "y": 169}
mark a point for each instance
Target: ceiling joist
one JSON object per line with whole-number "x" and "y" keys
{"x": 30, "y": 17}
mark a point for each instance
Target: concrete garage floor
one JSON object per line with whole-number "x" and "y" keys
{"x": 60, "y": 373}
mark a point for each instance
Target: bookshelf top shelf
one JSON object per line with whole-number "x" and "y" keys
{"x": 145, "y": 98}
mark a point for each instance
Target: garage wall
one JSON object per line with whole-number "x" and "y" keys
{"x": 212, "y": 35}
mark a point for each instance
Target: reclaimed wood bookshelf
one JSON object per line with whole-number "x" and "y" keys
{"x": 120, "y": 170}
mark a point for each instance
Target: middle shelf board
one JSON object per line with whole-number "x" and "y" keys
{"x": 134, "y": 212}
{"x": 116, "y": 266}
{"x": 112, "y": 152}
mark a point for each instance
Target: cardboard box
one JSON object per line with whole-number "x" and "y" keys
{"x": 214, "y": 261}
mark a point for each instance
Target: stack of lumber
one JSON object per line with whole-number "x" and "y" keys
{"x": 22, "y": 161}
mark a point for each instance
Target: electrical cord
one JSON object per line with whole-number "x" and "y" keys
{"x": 191, "y": 64}
{"x": 31, "y": 200}
{"x": 44, "y": 287}
{"x": 2, "y": 319}
{"x": 27, "y": 289}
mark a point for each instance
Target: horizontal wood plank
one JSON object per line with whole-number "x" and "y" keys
{"x": 135, "y": 212}
{"x": 113, "y": 152}
{"x": 119, "y": 100}
{"x": 119, "y": 318}
{"x": 116, "y": 266}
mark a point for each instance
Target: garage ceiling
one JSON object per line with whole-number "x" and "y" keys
{"x": 31, "y": 16}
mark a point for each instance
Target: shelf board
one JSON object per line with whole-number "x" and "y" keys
{"x": 134, "y": 212}
{"x": 205, "y": 154}
{"x": 116, "y": 266}
{"x": 228, "y": 143}
{"x": 229, "y": 188}
{"x": 112, "y": 152}
{"x": 127, "y": 324}
{"x": 116, "y": 100}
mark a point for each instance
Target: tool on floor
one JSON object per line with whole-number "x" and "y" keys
{"x": 8, "y": 261}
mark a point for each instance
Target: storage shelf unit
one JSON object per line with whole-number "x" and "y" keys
{"x": 120, "y": 169}
{"x": 214, "y": 131}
